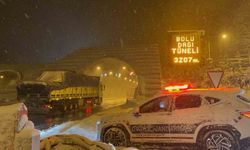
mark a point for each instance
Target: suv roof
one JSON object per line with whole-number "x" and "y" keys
{"x": 205, "y": 91}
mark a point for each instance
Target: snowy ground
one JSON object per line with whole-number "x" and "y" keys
{"x": 87, "y": 126}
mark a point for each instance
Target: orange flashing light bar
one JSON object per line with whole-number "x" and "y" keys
{"x": 246, "y": 114}
{"x": 177, "y": 87}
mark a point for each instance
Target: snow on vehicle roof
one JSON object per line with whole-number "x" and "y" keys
{"x": 34, "y": 82}
{"x": 217, "y": 92}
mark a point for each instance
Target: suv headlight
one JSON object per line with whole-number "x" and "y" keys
{"x": 98, "y": 122}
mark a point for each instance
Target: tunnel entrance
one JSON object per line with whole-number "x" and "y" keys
{"x": 9, "y": 78}
{"x": 143, "y": 59}
{"x": 8, "y": 83}
{"x": 119, "y": 79}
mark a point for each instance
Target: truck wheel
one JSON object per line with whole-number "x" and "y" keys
{"x": 116, "y": 136}
{"x": 80, "y": 104}
{"x": 63, "y": 107}
{"x": 70, "y": 107}
{"x": 219, "y": 140}
{"x": 54, "y": 106}
{"x": 98, "y": 102}
{"x": 75, "y": 107}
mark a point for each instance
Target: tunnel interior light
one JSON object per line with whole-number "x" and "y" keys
{"x": 1, "y": 76}
{"x": 224, "y": 36}
{"x": 98, "y": 68}
{"x": 125, "y": 78}
{"x": 131, "y": 73}
{"x": 110, "y": 73}
{"x": 124, "y": 68}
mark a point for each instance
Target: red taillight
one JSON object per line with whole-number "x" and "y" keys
{"x": 246, "y": 114}
{"x": 88, "y": 110}
{"x": 46, "y": 107}
{"x": 178, "y": 87}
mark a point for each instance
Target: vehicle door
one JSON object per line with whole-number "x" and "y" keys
{"x": 188, "y": 113}
{"x": 150, "y": 123}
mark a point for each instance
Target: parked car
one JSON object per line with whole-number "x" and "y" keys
{"x": 210, "y": 118}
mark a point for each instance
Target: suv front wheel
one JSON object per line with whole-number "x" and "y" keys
{"x": 219, "y": 140}
{"x": 116, "y": 136}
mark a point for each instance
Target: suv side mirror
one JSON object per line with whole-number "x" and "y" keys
{"x": 136, "y": 112}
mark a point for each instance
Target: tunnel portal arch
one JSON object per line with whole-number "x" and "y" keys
{"x": 9, "y": 78}
{"x": 145, "y": 61}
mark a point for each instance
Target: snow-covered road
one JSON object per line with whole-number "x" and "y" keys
{"x": 87, "y": 126}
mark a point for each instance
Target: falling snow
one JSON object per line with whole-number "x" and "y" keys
{"x": 79, "y": 24}
{"x": 26, "y": 16}
{"x": 134, "y": 11}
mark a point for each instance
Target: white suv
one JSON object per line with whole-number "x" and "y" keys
{"x": 211, "y": 118}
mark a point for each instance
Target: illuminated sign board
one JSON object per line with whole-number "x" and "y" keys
{"x": 185, "y": 48}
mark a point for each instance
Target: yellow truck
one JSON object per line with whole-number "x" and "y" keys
{"x": 60, "y": 91}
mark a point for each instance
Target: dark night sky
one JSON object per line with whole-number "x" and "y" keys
{"x": 44, "y": 30}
